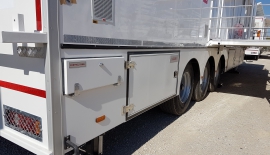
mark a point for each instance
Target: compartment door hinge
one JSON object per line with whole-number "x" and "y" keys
{"x": 128, "y": 108}
{"x": 130, "y": 64}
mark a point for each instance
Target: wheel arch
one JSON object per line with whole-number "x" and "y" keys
{"x": 196, "y": 68}
{"x": 223, "y": 63}
{"x": 211, "y": 61}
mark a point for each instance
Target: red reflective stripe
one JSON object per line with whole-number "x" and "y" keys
{"x": 24, "y": 89}
{"x": 38, "y": 15}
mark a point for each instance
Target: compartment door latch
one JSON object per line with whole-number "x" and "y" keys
{"x": 130, "y": 64}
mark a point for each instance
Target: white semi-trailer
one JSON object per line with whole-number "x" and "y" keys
{"x": 73, "y": 69}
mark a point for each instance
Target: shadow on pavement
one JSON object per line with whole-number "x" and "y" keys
{"x": 252, "y": 81}
{"x": 130, "y": 136}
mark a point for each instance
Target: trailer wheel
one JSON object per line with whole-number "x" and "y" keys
{"x": 179, "y": 104}
{"x": 200, "y": 90}
{"x": 214, "y": 83}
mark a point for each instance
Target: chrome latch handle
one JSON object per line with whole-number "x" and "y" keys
{"x": 77, "y": 90}
{"x": 118, "y": 81}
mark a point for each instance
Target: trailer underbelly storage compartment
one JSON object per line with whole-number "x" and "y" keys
{"x": 94, "y": 87}
{"x": 151, "y": 82}
{"x": 236, "y": 57}
{"x": 73, "y": 70}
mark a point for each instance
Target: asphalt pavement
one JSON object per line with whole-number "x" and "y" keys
{"x": 234, "y": 120}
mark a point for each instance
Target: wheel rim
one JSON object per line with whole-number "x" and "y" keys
{"x": 185, "y": 87}
{"x": 205, "y": 79}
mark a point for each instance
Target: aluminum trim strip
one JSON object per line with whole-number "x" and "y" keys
{"x": 123, "y": 42}
{"x": 99, "y": 40}
{"x": 239, "y": 42}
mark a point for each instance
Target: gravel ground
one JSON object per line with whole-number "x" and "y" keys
{"x": 232, "y": 121}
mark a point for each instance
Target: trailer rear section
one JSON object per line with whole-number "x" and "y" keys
{"x": 23, "y": 107}
{"x": 73, "y": 70}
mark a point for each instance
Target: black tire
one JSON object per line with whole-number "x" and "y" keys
{"x": 176, "y": 106}
{"x": 199, "y": 92}
{"x": 215, "y": 80}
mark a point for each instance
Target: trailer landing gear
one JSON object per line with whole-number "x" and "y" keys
{"x": 93, "y": 147}
{"x": 69, "y": 144}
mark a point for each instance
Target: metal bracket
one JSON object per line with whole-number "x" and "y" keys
{"x": 128, "y": 108}
{"x": 99, "y": 144}
{"x": 220, "y": 48}
{"x": 130, "y": 64}
{"x": 77, "y": 90}
{"x": 118, "y": 81}
{"x": 175, "y": 74}
{"x": 69, "y": 144}
{"x": 65, "y": 144}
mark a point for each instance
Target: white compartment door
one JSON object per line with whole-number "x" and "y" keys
{"x": 152, "y": 80}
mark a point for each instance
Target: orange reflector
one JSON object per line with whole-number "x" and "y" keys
{"x": 95, "y": 21}
{"x": 100, "y": 119}
{"x": 37, "y": 127}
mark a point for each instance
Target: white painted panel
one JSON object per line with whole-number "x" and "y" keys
{"x": 30, "y": 104}
{"x": 6, "y": 4}
{"x": 10, "y": 12}
{"x": 152, "y": 80}
{"x": 12, "y": 9}
{"x": 22, "y": 70}
{"x": 92, "y": 73}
